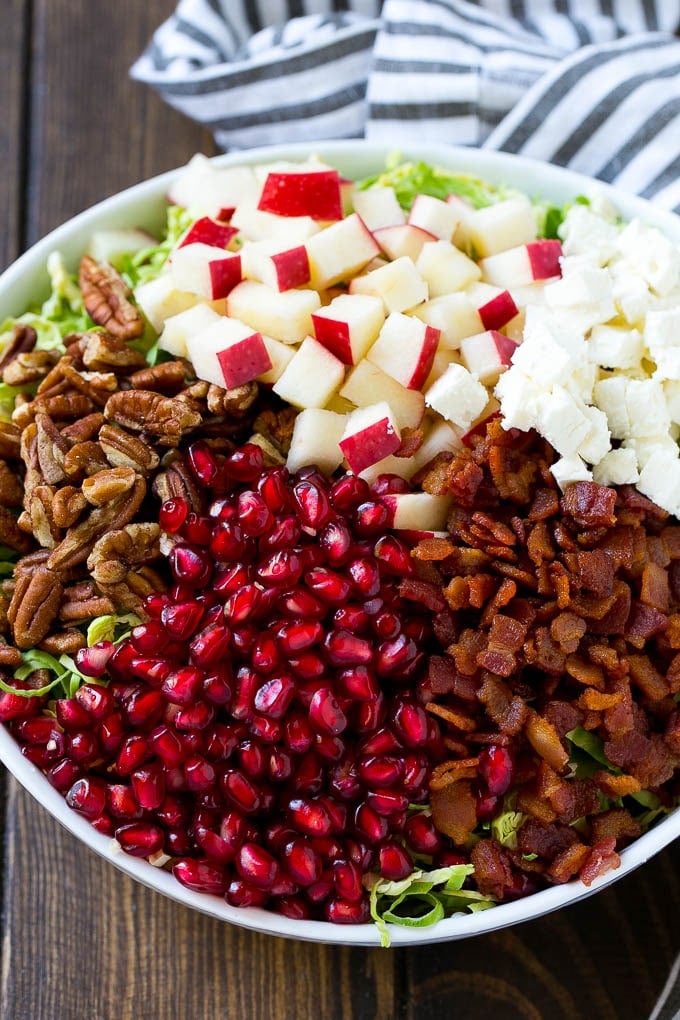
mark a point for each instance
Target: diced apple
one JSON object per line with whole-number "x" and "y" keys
{"x": 316, "y": 437}
{"x": 463, "y": 209}
{"x": 516, "y": 267}
{"x": 500, "y": 226}
{"x": 477, "y": 427}
{"x": 457, "y": 396}
{"x": 272, "y": 454}
{"x": 495, "y": 306}
{"x": 405, "y": 467}
{"x": 442, "y": 359}
{"x": 417, "y": 511}
{"x": 434, "y": 216}
{"x": 280, "y": 356}
{"x": 205, "y": 270}
{"x": 366, "y": 384}
{"x": 209, "y": 231}
{"x": 399, "y": 284}
{"x": 313, "y": 193}
{"x": 405, "y": 349}
{"x": 446, "y": 268}
{"x": 311, "y": 377}
{"x": 275, "y": 264}
{"x": 349, "y": 325}
{"x": 206, "y": 189}
{"x": 340, "y": 404}
{"x": 443, "y": 437}
{"x": 256, "y": 225}
{"x": 228, "y": 353}
{"x": 180, "y": 326}
{"x": 402, "y": 240}
{"x": 487, "y": 355}
{"x": 453, "y": 315}
{"x": 371, "y": 433}
{"x": 109, "y": 245}
{"x": 284, "y": 315}
{"x": 378, "y": 207}
{"x": 159, "y": 299}
{"x": 340, "y": 251}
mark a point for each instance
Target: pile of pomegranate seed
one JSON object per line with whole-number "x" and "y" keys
{"x": 262, "y": 728}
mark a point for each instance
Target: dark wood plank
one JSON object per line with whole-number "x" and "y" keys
{"x": 13, "y": 49}
{"x": 86, "y": 941}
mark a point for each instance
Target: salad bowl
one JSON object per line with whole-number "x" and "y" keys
{"x": 144, "y": 206}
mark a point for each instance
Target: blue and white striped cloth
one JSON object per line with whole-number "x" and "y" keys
{"x": 593, "y": 85}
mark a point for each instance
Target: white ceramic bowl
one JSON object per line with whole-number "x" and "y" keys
{"x": 144, "y": 206}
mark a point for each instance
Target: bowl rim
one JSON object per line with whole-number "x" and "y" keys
{"x": 141, "y": 204}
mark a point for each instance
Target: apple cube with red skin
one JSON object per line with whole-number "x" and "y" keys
{"x": 443, "y": 437}
{"x": 311, "y": 377}
{"x": 371, "y": 434}
{"x": 367, "y": 384}
{"x": 378, "y": 207}
{"x": 502, "y": 225}
{"x": 405, "y": 467}
{"x": 417, "y": 511}
{"x": 313, "y": 193}
{"x": 445, "y": 268}
{"x": 340, "y": 251}
{"x": 179, "y": 327}
{"x": 159, "y": 299}
{"x": 255, "y": 225}
{"x": 316, "y": 435}
{"x": 284, "y": 315}
{"x": 349, "y": 325}
{"x": 279, "y": 266}
{"x": 405, "y": 349}
{"x": 524, "y": 264}
{"x": 206, "y": 189}
{"x": 402, "y": 240}
{"x": 487, "y": 355}
{"x": 228, "y": 353}
{"x": 205, "y": 270}
{"x": 280, "y": 356}
{"x": 434, "y": 216}
{"x": 454, "y": 315}
{"x": 398, "y": 283}
{"x": 495, "y": 306}
{"x": 209, "y": 231}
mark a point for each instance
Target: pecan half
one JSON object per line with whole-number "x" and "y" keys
{"x": 84, "y": 459}
{"x": 84, "y": 429}
{"x": 66, "y": 641}
{"x": 177, "y": 480}
{"x": 61, "y": 407}
{"x": 98, "y": 386}
{"x": 104, "y": 353}
{"x": 11, "y": 489}
{"x": 10, "y": 441}
{"x": 277, "y": 426}
{"x": 44, "y": 528}
{"x": 10, "y": 657}
{"x": 117, "y": 551}
{"x": 106, "y": 297}
{"x": 100, "y": 488}
{"x": 79, "y": 610}
{"x": 26, "y": 368}
{"x": 237, "y": 402}
{"x": 123, "y": 450}
{"x": 34, "y": 606}
{"x": 67, "y": 506}
{"x": 23, "y": 340}
{"x": 79, "y": 540}
{"x": 166, "y": 378}
{"x": 51, "y": 449}
{"x": 168, "y": 418}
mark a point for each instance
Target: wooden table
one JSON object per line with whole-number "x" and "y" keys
{"x": 80, "y": 940}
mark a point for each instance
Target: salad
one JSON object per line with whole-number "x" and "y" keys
{"x": 339, "y": 539}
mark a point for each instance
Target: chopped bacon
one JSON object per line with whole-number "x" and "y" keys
{"x": 589, "y": 504}
{"x": 601, "y": 859}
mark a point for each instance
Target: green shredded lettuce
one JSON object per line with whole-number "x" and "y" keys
{"x": 111, "y": 628}
{"x": 423, "y": 898}
{"x": 587, "y": 753}
{"x": 504, "y": 827}
{"x": 144, "y": 265}
{"x": 410, "y": 179}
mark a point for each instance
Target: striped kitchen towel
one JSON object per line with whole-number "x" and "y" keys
{"x": 594, "y": 86}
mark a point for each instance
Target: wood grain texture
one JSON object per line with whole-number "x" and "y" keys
{"x": 14, "y": 25}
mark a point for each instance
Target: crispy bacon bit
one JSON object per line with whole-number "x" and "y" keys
{"x": 589, "y": 504}
{"x": 453, "y": 810}
{"x": 601, "y": 859}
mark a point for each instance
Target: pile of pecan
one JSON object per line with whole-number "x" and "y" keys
{"x": 94, "y": 445}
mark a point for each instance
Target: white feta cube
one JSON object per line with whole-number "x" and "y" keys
{"x": 597, "y": 442}
{"x": 615, "y": 347}
{"x": 518, "y": 395}
{"x": 609, "y": 395}
{"x": 561, "y": 419}
{"x": 457, "y": 396}
{"x": 646, "y": 408}
{"x": 618, "y": 467}
{"x": 655, "y": 257}
{"x": 586, "y": 294}
{"x": 584, "y": 232}
{"x": 660, "y": 480}
{"x": 568, "y": 470}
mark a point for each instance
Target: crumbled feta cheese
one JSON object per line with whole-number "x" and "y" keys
{"x": 562, "y": 421}
{"x": 609, "y": 395}
{"x": 662, "y": 337}
{"x": 586, "y": 294}
{"x": 541, "y": 358}
{"x": 458, "y": 396}
{"x": 584, "y": 232}
{"x": 647, "y": 447}
{"x": 618, "y": 467}
{"x": 652, "y": 255}
{"x": 630, "y": 292}
{"x": 615, "y": 347}
{"x": 646, "y": 408}
{"x": 660, "y": 480}
{"x": 518, "y": 395}
{"x": 596, "y": 444}
{"x": 671, "y": 391}
{"x": 567, "y": 470}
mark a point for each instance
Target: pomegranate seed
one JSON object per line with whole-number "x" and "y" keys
{"x": 37, "y": 755}
{"x": 265, "y": 657}
{"x": 121, "y": 660}
{"x": 93, "y": 661}
{"x": 190, "y": 566}
{"x": 308, "y": 667}
{"x": 370, "y": 518}
{"x": 359, "y": 683}
{"x": 242, "y": 605}
{"x": 298, "y": 734}
{"x": 144, "y": 707}
{"x": 395, "y": 656}
{"x": 421, "y": 835}
{"x": 104, "y": 824}
{"x": 201, "y": 876}
{"x": 172, "y": 515}
{"x": 221, "y": 740}
{"x": 210, "y": 646}
{"x": 242, "y": 894}
{"x": 415, "y": 775}
{"x": 181, "y": 687}
{"x": 257, "y": 866}
{"x": 252, "y": 759}
{"x": 329, "y": 747}
{"x": 336, "y": 541}
{"x": 254, "y": 515}
{"x": 410, "y": 724}
{"x": 197, "y": 530}
{"x": 134, "y": 752}
{"x": 231, "y": 578}
{"x": 272, "y": 487}
{"x": 344, "y": 782}
{"x": 167, "y": 745}
{"x": 199, "y": 772}
{"x": 310, "y": 817}
{"x": 87, "y": 796}
{"x": 213, "y": 846}
{"x": 386, "y": 483}
{"x": 202, "y": 462}
{"x": 369, "y": 825}
{"x": 311, "y": 503}
{"x": 154, "y": 604}
{"x": 301, "y": 603}
{"x": 245, "y": 464}
{"x": 152, "y": 671}
{"x": 346, "y": 649}
{"x": 283, "y": 567}
{"x": 217, "y": 688}
{"x": 381, "y": 772}
{"x": 83, "y": 748}
{"x": 301, "y": 862}
{"x": 241, "y": 792}
{"x": 386, "y": 802}
{"x": 273, "y": 698}
{"x": 178, "y": 842}
{"x": 264, "y": 729}
{"x": 64, "y": 774}
{"x": 279, "y": 765}
{"x": 487, "y": 806}
{"x": 243, "y": 638}
{"x": 341, "y": 912}
{"x": 387, "y": 625}
{"x": 347, "y": 881}
{"x": 360, "y": 853}
{"x": 394, "y": 862}
{"x": 348, "y": 492}
{"x": 352, "y": 617}
{"x": 321, "y": 890}
{"x": 247, "y": 685}
{"x": 14, "y": 706}
{"x": 148, "y": 783}
{"x": 182, "y": 619}
{"x": 325, "y": 714}
{"x": 331, "y": 587}
{"x": 173, "y": 811}
{"x": 365, "y": 576}
{"x": 294, "y": 907}
{"x": 309, "y": 775}
{"x": 121, "y": 802}
{"x": 227, "y": 542}
{"x": 36, "y": 730}
{"x": 284, "y": 534}
{"x": 195, "y": 717}
{"x": 295, "y": 638}
{"x": 71, "y": 715}
{"x": 496, "y": 766}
